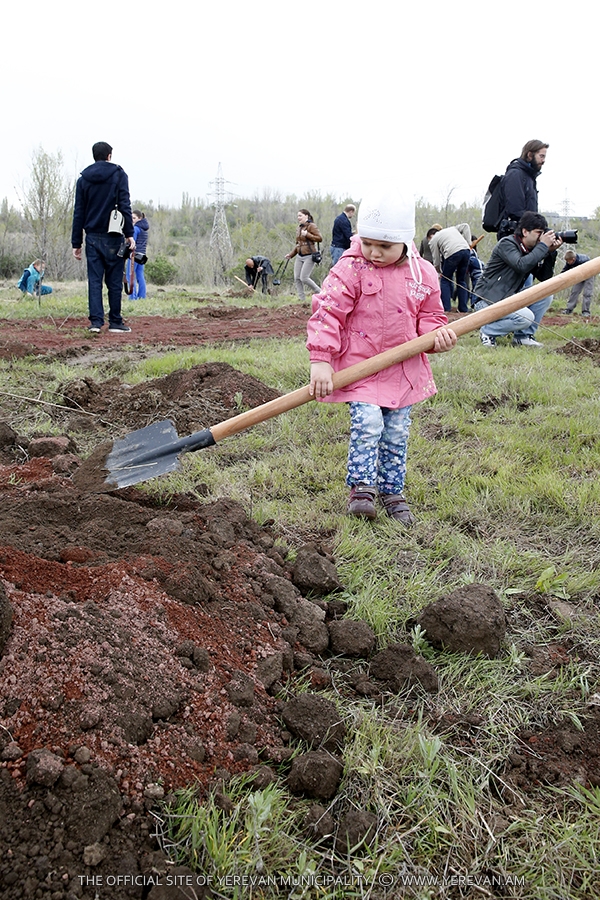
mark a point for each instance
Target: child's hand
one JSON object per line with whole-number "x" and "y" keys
{"x": 445, "y": 339}
{"x": 321, "y": 380}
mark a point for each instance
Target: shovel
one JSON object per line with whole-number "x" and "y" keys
{"x": 245, "y": 283}
{"x": 128, "y": 271}
{"x": 276, "y": 278}
{"x": 155, "y": 450}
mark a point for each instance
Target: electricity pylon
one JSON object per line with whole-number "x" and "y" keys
{"x": 566, "y": 209}
{"x": 220, "y": 241}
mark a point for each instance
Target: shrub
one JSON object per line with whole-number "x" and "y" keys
{"x": 11, "y": 265}
{"x": 161, "y": 270}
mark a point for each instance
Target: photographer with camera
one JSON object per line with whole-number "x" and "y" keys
{"x": 512, "y": 261}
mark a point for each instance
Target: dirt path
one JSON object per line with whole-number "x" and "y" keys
{"x": 207, "y": 325}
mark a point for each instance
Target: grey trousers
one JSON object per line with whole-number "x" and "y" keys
{"x": 303, "y": 266}
{"x": 587, "y": 287}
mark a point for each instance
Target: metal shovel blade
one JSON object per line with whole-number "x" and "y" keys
{"x": 149, "y": 452}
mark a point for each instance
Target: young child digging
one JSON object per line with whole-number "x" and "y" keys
{"x": 380, "y": 294}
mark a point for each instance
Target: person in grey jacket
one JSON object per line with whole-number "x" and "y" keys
{"x": 572, "y": 260}
{"x": 512, "y": 260}
{"x": 451, "y": 251}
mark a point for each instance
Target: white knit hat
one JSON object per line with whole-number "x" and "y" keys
{"x": 387, "y": 216}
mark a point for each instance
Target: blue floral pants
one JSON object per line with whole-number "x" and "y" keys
{"x": 377, "y": 450}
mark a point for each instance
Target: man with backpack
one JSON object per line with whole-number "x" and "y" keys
{"x": 519, "y": 186}
{"x": 101, "y": 200}
{"x": 514, "y": 194}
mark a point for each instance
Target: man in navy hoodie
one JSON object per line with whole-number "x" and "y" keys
{"x": 341, "y": 234}
{"x": 101, "y": 188}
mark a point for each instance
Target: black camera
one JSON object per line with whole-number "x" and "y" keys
{"x": 567, "y": 237}
{"x": 124, "y": 251}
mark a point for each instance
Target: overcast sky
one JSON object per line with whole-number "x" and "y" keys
{"x": 323, "y": 96}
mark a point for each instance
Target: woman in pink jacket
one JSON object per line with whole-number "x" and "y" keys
{"x": 380, "y": 294}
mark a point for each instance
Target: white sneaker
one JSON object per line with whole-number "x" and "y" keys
{"x": 526, "y": 342}
{"x": 486, "y": 340}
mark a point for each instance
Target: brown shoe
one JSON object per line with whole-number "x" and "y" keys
{"x": 362, "y": 501}
{"x": 397, "y": 508}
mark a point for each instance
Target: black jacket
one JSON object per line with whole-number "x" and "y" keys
{"x": 580, "y": 258}
{"x": 252, "y": 274}
{"x": 141, "y": 244}
{"x": 508, "y": 268}
{"x": 98, "y": 188}
{"x": 519, "y": 194}
{"x": 341, "y": 236}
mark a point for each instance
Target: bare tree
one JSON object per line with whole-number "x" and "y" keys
{"x": 447, "y": 204}
{"x": 47, "y": 202}
{"x": 13, "y": 242}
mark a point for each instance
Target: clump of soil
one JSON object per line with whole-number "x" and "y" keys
{"x": 582, "y": 348}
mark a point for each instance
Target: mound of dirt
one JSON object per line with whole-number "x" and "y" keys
{"x": 582, "y": 348}
{"x": 192, "y": 399}
{"x": 142, "y": 652}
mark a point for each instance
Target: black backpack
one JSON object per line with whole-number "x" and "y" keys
{"x": 493, "y": 204}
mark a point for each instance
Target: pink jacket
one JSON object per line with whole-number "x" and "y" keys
{"x": 363, "y": 310}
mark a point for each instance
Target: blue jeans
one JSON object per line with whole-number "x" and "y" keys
{"x": 139, "y": 284}
{"x": 514, "y": 322}
{"x": 539, "y": 309}
{"x": 377, "y": 449}
{"x": 459, "y": 263}
{"x": 336, "y": 252}
{"x": 104, "y": 264}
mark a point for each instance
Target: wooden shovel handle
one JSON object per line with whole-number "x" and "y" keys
{"x": 245, "y": 283}
{"x": 404, "y": 351}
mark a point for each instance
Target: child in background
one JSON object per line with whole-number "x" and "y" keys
{"x": 30, "y": 282}
{"x": 380, "y": 294}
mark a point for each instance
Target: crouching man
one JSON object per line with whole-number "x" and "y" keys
{"x": 513, "y": 259}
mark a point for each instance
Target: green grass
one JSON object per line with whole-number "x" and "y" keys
{"x": 69, "y": 300}
{"x": 502, "y": 477}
